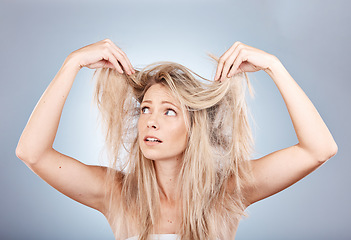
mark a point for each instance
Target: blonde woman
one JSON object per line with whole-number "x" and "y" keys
{"x": 179, "y": 147}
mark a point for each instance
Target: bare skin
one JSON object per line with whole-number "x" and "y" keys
{"x": 166, "y": 122}
{"x": 71, "y": 177}
{"x": 279, "y": 170}
{"x": 85, "y": 184}
{"x": 161, "y": 116}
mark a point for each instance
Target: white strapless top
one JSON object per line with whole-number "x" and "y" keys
{"x": 158, "y": 237}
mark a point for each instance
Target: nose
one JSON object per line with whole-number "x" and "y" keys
{"x": 151, "y": 123}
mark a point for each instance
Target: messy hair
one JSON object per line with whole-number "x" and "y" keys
{"x": 215, "y": 166}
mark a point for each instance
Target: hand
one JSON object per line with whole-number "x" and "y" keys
{"x": 103, "y": 54}
{"x": 242, "y": 58}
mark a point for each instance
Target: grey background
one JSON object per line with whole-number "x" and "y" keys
{"x": 311, "y": 38}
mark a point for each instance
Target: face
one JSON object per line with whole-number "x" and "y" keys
{"x": 161, "y": 118}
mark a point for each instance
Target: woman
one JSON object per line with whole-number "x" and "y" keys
{"x": 179, "y": 147}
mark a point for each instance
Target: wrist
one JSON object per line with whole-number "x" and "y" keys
{"x": 72, "y": 62}
{"x": 274, "y": 66}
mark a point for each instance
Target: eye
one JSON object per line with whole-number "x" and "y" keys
{"x": 143, "y": 109}
{"x": 171, "y": 111}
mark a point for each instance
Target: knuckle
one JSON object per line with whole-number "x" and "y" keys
{"x": 243, "y": 51}
{"x": 105, "y": 52}
{"x": 240, "y": 47}
{"x": 232, "y": 58}
{"x": 107, "y": 43}
{"x": 236, "y": 44}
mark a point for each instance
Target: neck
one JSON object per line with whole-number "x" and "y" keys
{"x": 167, "y": 173}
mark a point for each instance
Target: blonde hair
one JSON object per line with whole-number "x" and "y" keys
{"x": 215, "y": 166}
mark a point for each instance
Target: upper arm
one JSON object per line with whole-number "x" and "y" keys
{"x": 83, "y": 183}
{"x": 279, "y": 170}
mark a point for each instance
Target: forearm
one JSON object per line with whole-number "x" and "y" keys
{"x": 40, "y": 131}
{"x": 311, "y": 131}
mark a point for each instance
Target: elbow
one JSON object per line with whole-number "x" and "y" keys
{"x": 334, "y": 150}
{"x": 321, "y": 154}
{"x": 20, "y": 153}
{"x": 28, "y": 159}
{"x": 328, "y": 152}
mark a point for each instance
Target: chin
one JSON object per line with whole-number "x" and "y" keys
{"x": 160, "y": 154}
{"x": 157, "y": 156}
{"x": 154, "y": 157}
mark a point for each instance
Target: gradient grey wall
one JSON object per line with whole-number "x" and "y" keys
{"x": 311, "y": 38}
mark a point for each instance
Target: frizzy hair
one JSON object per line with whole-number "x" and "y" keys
{"x": 215, "y": 166}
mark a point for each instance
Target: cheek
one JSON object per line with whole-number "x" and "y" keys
{"x": 178, "y": 133}
{"x": 140, "y": 123}
{"x": 140, "y": 127}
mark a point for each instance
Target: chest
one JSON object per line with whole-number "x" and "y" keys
{"x": 170, "y": 219}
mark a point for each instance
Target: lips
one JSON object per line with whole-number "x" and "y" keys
{"x": 153, "y": 137}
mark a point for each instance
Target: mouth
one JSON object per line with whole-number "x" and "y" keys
{"x": 152, "y": 139}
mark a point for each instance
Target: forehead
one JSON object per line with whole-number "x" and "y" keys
{"x": 160, "y": 92}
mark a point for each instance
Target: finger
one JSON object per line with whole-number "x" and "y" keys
{"x": 221, "y": 63}
{"x": 112, "y": 59}
{"x": 219, "y": 69}
{"x": 122, "y": 58}
{"x": 118, "y": 56}
{"x": 234, "y": 59}
{"x": 223, "y": 59}
{"x": 117, "y": 49}
{"x": 228, "y": 64}
{"x": 128, "y": 62}
{"x": 110, "y": 47}
{"x": 229, "y": 67}
{"x": 242, "y": 57}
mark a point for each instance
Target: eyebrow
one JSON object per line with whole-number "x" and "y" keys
{"x": 163, "y": 102}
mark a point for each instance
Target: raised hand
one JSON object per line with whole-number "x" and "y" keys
{"x": 242, "y": 58}
{"x": 103, "y": 54}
